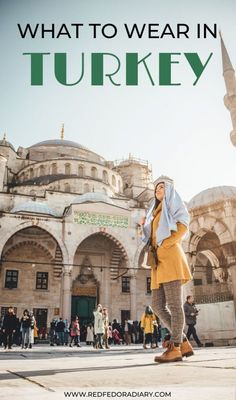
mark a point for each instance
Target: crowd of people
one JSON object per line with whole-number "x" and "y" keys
{"x": 99, "y": 334}
{"x": 20, "y": 331}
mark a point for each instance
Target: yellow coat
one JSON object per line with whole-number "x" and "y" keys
{"x": 172, "y": 261}
{"x": 147, "y": 322}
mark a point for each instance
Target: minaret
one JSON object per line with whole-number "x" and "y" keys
{"x": 230, "y": 83}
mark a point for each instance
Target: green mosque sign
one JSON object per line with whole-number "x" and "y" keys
{"x": 101, "y": 220}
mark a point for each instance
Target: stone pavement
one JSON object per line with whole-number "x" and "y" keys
{"x": 122, "y": 372}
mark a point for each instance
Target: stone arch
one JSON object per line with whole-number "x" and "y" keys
{"x": 54, "y": 168}
{"x": 211, "y": 257}
{"x": 138, "y": 254}
{"x": 207, "y": 248}
{"x": 9, "y": 233}
{"x": 94, "y": 172}
{"x": 33, "y": 246}
{"x": 26, "y": 243}
{"x": 67, "y": 169}
{"x": 81, "y": 171}
{"x": 116, "y": 239}
{"x": 201, "y": 225}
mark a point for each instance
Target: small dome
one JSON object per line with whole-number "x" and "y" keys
{"x": 212, "y": 195}
{"x": 34, "y": 207}
{"x": 5, "y": 143}
{"x": 59, "y": 142}
{"x": 92, "y": 197}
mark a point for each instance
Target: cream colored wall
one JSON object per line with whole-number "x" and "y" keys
{"x": 26, "y": 295}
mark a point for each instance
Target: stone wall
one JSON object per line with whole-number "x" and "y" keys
{"x": 216, "y": 321}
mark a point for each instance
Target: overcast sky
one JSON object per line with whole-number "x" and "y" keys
{"x": 182, "y": 130}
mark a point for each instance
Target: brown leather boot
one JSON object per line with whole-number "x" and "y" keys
{"x": 166, "y": 341}
{"x": 172, "y": 354}
{"x": 186, "y": 349}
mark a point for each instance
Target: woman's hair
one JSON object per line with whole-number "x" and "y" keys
{"x": 148, "y": 310}
{"x": 157, "y": 202}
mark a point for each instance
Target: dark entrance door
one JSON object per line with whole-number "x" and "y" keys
{"x": 41, "y": 315}
{"x": 83, "y": 307}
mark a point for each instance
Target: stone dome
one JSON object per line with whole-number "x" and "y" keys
{"x": 212, "y": 195}
{"x": 5, "y": 143}
{"x": 92, "y": 197}
{"x": 59, "y": 142}
{"x": 55, "y": 147}
{"x": 34, "y": 207}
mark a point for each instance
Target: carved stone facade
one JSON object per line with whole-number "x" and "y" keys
{"x": 64, "y": 248}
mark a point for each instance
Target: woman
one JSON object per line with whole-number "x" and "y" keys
{"x": 25, "y": 329}
{"x": 32, "y": 331}
{"x": 75, "y": 332}
{"x": 165, "y": 225}
{"x": 99, "y": 329}
{"x": 106, "y": 327}
{"x": 90, "y": 335}
{"x": 147, "y": 324}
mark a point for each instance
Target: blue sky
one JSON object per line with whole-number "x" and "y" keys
{"x": 182, "y": 130}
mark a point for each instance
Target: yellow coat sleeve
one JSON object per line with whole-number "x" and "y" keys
{"x": 175, "y": 236}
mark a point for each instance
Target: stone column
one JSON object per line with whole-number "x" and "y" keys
{"x": 66, "y": 294}
{"x": 107, "y": 289}
{"x": 133, "y": 298}
{"x": 231, "y": 260}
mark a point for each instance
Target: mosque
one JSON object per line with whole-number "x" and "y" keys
{"x": 70, "y": 238}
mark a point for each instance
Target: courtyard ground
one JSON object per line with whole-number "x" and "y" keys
{"x": 122, "y": 372}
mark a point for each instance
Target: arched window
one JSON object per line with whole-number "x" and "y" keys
{"x": 54, "y": 169}
{"x": 94, "y": 172}
{"x": 67, "y": 169}
{"x": 67, "y": 187}
{"x": 105, "y": 176}
{"x": 22, "y": 177}
{"x": 41, "y": 170}
{"x": 86, "y": 188}
{"x": 81, "y": 170}
{"x": 119, "y": 186}
{"x": 113, "y": 180}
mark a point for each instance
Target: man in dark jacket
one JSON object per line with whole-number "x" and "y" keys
{"x": 191, "y": 313}
{"x": 60, "y": 331}
{"x": 9, "y": 327}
